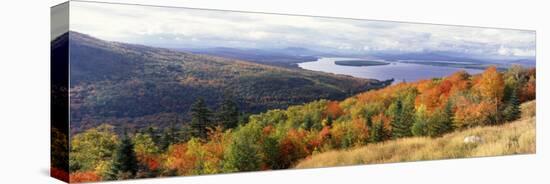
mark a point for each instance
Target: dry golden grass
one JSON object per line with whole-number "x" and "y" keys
{"x": 517, "y": 137}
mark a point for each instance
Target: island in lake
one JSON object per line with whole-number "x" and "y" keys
{"x": 359, "y": 63}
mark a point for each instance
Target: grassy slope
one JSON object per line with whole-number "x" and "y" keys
{"x": 517, "y": 137}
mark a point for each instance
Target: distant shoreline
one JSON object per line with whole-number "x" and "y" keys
{"x": 359, "y": 63}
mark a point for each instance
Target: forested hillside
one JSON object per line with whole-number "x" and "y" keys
{"x": 281, "y": 138}
{"x": 518, "y": 137}
{"x": 135, "y": 86}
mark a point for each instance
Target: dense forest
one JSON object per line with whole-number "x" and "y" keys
{"x": 136, "y": 85}
{"x": 219, "y": 140}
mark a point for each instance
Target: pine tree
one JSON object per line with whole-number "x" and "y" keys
{"x": 308, "y": 123}
{"x": 448, "y": 112}
{"x": 243, "y": 118}
{"x": 200, "y": 118}
{"x": 378, "y": 133}
{"x": 437, "y": 124}
{"x": 401, "y": 119}
{"x": 394, "y": 112}
{"x": 419, "y": 128}
{"x": 407, "y": 115}
{"x": 167, "y": 138}
{"x": 125, "y": 164}
{"x": 328, "y": 121}
{"x": 512, "y": 110}
{"x": 228, "y": 115}
{"x": 153, "y": 134}
{"x": 368, "y": 114}
{"x": 441, "y": 121}
{"x": 347, "y": 140}
{"x": 421, "y": 119}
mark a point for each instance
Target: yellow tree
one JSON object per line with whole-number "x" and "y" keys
{"x": 92, "y": 150}
{"x": 491, "y": 84}
{"x": 491, "y": 88}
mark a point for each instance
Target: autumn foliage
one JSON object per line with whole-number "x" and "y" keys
{"x": 279, "y": 138}
{"x": 78, "y": 177}
{"x": 528, "y": 92}
{"x": 179, "y": 160}
{"x": 333, "y": 109}
{"x": 490, "y": 85}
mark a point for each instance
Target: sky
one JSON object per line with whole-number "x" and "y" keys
{"x": 195, "y": 28}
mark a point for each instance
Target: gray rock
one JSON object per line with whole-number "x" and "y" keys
{"x": 472, "y": 139}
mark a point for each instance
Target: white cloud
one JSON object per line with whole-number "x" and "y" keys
{"x": 180, "y": 27}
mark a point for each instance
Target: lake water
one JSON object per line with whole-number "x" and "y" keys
{"x": 399, "y": 71}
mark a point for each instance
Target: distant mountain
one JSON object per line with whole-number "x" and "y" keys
{"x": 290, "y": 56}
{"x": 427, "y": 56}
{"x": 134, "y": 85}
{"x": 455, "y": 59}
{"x": 285, "y": 57}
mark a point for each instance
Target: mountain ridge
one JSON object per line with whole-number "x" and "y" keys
{"x": 136, "y": 85}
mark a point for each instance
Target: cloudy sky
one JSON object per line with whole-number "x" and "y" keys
{"x": 192, "y": 28}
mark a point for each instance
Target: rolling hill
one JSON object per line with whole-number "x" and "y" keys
{"x": 422, "y": 120}
{"x": 285, "y": 57}
{"x": 136, "y": 85}
{"x": 517, "y": 137}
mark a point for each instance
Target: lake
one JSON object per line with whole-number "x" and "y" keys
{"x": 397, "y": 70}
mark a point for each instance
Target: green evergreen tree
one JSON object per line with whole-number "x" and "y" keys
{"x": 165, "y": 140}
{"x": 419, "y": 128}
{"x": 448, "y": 112}
{"x": 407, "y": 114}
{"x": 368, "y": 118}
{"x": 153, "y": 134}
{"x": 125, "y": 164}
{"x": 437, "y": 124}
{"x": 401, "y": 118}
{"x": 441, "y": 121}
{"x": 169, "y": 137}
{"x": 329, "y": 121}
{"x": 308, "y": 123}
{"x": 394, "y": 112}
{"x": 228, "y": 115}
{"x": 270, "y": 148}
{"x": 378, "y": 133}
{"x": 421, "y": 119}
{"x": 200, "y": 118}
{"x": 512, "y": 110}
{"x": 347, "y": 140}
{"x": 243, "y": 118}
